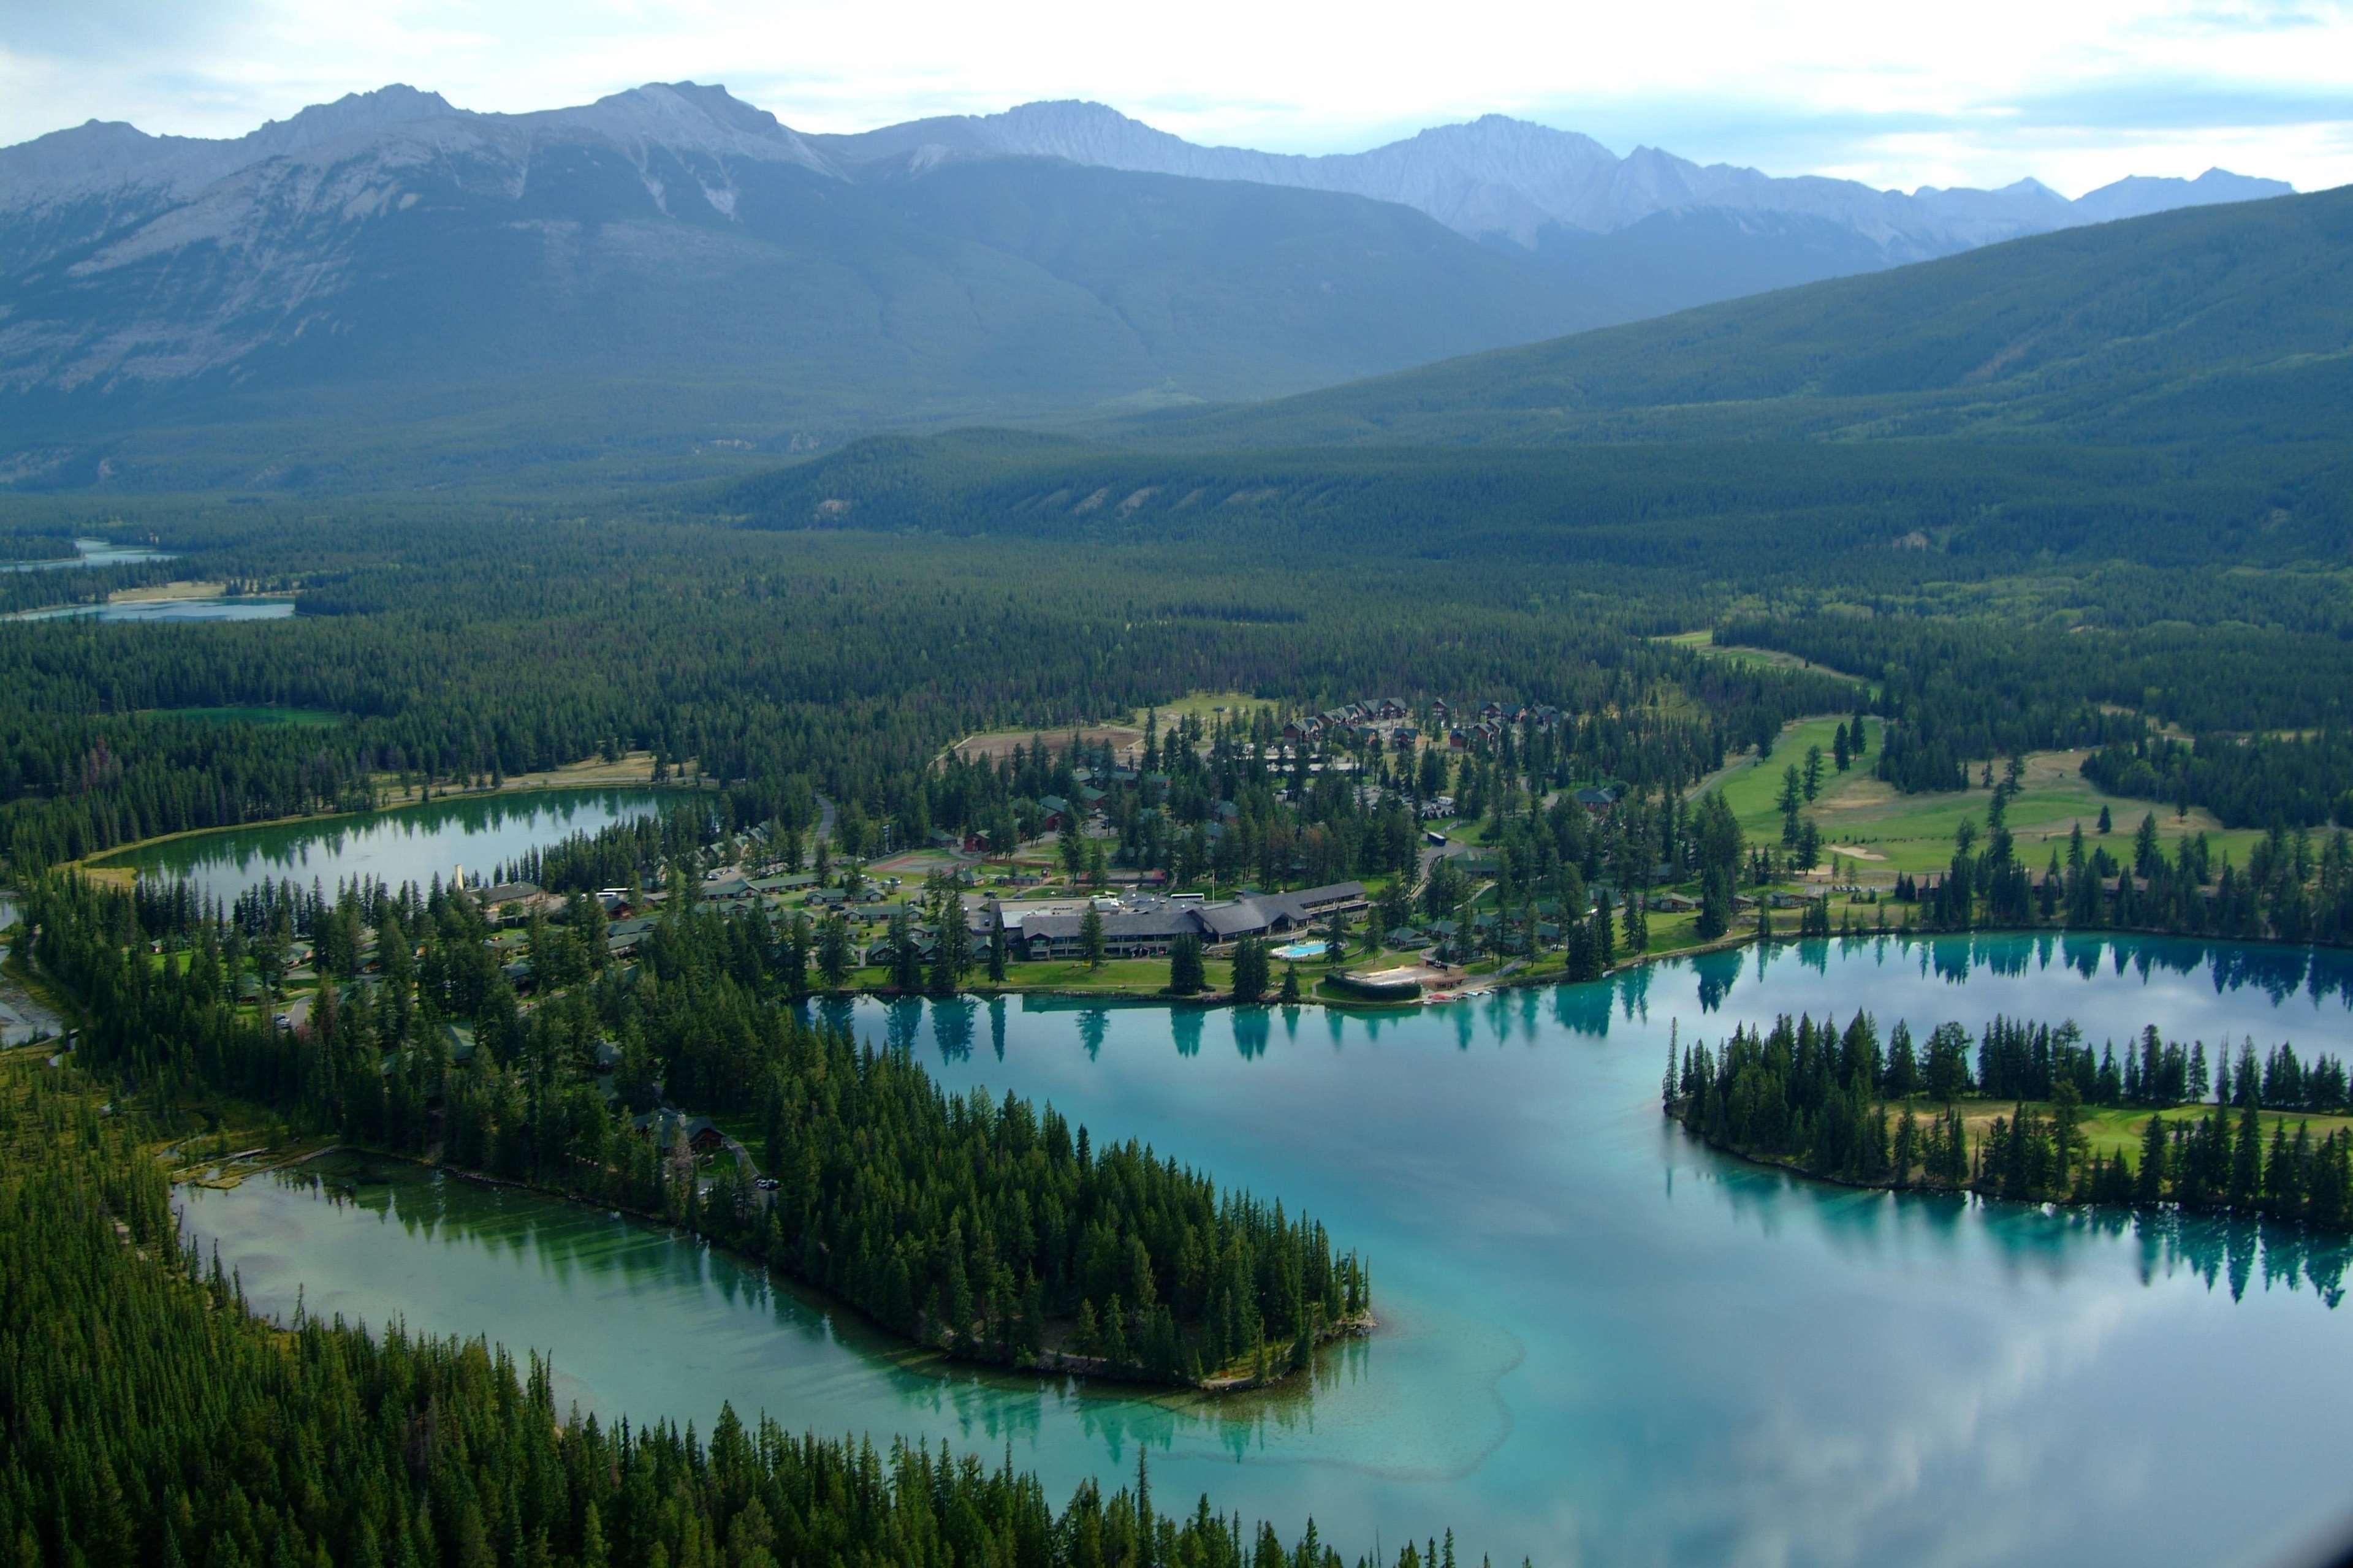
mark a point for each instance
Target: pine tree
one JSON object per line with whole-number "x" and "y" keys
{"x": 833, "y": 954}
{"x": 906, "y": 962}
{"x": 1250, "y": 969}
{"x": 2247, "y": 1159}
{"x": 1184, "y": 969}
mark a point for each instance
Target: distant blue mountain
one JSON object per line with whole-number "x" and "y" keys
{"x": 387, "y": 288}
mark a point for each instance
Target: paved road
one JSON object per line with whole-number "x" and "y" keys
{"x": 1432, "y": 854}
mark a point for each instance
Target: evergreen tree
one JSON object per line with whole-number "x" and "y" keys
{"x": 834, "y": 959}
{"x": 1250, "y": 969}
{"x": 1185, "y": 968}
{"x": 905, "y": 958}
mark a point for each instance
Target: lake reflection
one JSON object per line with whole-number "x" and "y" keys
{"x": 413, "y": 843}
{"x": 1600, "y": 1343}
{"x": 241, "y": 607}
{"x": 90, "y": 552}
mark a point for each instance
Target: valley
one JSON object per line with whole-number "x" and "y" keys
{"x": 905, "y": 830}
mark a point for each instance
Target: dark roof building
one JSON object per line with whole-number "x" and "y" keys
{"x": 1263, "y": 914}
{"x": 1129, "y": 931}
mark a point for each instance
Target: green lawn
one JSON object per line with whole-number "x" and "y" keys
{"x": 1753, "y": 789}
{"x": 1204, "y": 705}
{"x": 1674, "y": 933}
{"x": 1893, "y": 832}
{"x": 1700, "y": 643}
{"x": 1915, "y": 833}
{"x": 1125, "y": 976}
{"x": 2114, "y": 1130}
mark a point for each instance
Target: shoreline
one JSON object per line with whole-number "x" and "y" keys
{"x": 1052, "y": 1363}
{"x": 1792, "y": 1166}
{"x": 1488, "y": 985}
{"x": 99, "y": 860}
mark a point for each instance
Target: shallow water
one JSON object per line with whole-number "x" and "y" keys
{"x": 413, "y": 843}
{"x": 91, "y": 552}
{"x": 1600, "y": 1341}
{"x": 21, "y": 1018}
{"x": 242, "y": 607}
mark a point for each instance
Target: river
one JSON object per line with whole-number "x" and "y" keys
{"x": 1600, "y": 1341}
{"x": 410, "y": 844}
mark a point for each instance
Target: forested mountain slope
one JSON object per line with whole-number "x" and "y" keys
{"x": 389, "y": 291}
{"x": 1712, "y": 516}
{"x": 416, "y": 288}
{"x": 2222, "y": 324}
{"x": 2170, "y": 389}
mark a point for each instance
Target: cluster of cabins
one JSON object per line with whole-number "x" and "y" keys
{"x": 1480, "y": 730}
{"x": 1386, "y": 721}
{"x": 1383, "y": 721}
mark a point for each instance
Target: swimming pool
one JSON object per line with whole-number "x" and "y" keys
{"x": 1317, "y": 948}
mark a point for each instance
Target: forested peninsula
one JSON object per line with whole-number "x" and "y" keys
{"x": 151, "y": 1420}
{"x": 2033, "y": 1113}
{"x": 992, "y": 1231}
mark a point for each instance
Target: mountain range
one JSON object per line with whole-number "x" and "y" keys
{"x": 2167, "y": 388}
{"x": 390, "y": 289}
{"x": 2225, "y": 327}
{"x": 1499, "y": 178}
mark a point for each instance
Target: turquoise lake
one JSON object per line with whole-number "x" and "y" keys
{"x": 1600, "y": 1343}
{"x": 412, "y": 844}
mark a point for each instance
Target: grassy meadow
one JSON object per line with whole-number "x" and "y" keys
{"x": 1884, "y": 832}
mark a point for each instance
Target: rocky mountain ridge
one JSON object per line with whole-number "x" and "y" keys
{"x": 1491, "y": 177}
{"x": 1505, "y": 178}
{"x": 669, "y": 269}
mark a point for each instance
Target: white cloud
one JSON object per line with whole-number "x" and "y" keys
{"x": 2076, "y": 93}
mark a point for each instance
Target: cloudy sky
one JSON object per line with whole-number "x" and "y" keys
{"x": 2076, "y": 92}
